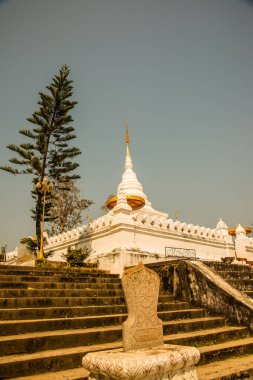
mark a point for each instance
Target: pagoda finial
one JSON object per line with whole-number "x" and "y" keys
{"x": 127, "y": 138}
{"x": 127, "y": 135}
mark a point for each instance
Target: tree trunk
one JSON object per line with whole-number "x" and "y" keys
{"x": 38, "y": 219}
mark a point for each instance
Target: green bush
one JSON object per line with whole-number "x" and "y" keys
{"x": 76, "y": 257}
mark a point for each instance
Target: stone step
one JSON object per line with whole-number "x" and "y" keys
{"x": 59, "y": 278}
{"x": 76, "y": 311}
{"x": 181, "y": 314}
{"x": 12, "y": 270}
{"x": 30, "y": 343}
{"x": 39, "y": 325}
{"x": 60, "y": 285}
{"x": 232, "y": 275}
{"x": 57, "y": 325}
{"x": 242, "y": 284}
{"x": 207, "y": 337}
{"x": 235, "y": 368}
{"x": 41, "y": 341}
{"x": 225, "y": 350}
{"x": 248, "y": 293}
{"x": 24, "y": 302}
{"x": 219, "y": 266}
{"x": 48, "y": 293}
{"x": 70, "y": 358}
{"x": 69, "y": 374}
{"x": 228, "y": 369}
{"x": 73, "y": 313}
{"x": 193, "y": 324}
{"x": 13, "y": 366}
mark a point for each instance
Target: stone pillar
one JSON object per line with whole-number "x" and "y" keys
{"x": 144, "y": 356}
{"x": 142, "y": 329}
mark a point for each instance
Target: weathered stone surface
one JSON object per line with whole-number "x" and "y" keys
{"x": 142, "y": 329}
{"x": 210, "y": 290}
{"x": 193, "y": 281}
{"x": 166, "y": 362}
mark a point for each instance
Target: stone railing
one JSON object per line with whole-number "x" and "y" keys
{"x": 176, "y": 227}
{"x": 193, "y": 281}
{"x": 79, "y": 232}
{"x": 141, "y": 220}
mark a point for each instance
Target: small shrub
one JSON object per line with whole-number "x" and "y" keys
{"x": 76, "y": 257}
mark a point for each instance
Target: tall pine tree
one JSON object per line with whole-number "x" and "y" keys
{"x": 48, "y": 152}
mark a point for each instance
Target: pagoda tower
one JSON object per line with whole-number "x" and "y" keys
{"x": 130, "y": 190}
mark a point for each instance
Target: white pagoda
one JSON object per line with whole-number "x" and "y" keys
{"x": 133, "y": 231}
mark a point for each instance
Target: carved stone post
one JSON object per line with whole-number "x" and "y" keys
{"x": 144, "y": 356}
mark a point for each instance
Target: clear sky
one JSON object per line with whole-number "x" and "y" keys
{"x": 181, "y": 71}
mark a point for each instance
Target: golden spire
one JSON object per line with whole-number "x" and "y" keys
{"x": 127, "y": 138}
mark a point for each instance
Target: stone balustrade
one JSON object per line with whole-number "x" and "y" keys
{"x": 179, "y": 228}
{"x": 141, "y": 220}
{"x": 76, "y": 233}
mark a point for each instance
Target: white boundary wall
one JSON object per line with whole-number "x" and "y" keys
{"x": 119, "y": 240}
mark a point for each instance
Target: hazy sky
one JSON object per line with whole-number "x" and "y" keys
{"x": 181, "y": 71}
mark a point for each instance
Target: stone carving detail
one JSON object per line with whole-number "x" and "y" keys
{"x": 167, "y": 362}
{"x": 142, "y": 329}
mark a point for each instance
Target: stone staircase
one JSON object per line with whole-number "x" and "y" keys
{"x": 239, "y": 276}
{"x": 50, "y": 318}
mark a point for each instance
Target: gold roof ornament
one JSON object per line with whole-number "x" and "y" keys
{"x": 232, "y": 231}
{"x": 132, "y": 200}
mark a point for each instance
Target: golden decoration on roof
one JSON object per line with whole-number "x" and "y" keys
{"x": 231, "y": 231}
{"x": 133, "y": 201}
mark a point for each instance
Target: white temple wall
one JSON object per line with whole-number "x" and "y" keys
{"x": 113, "y": 239}
{"x": 151, "y": 241}
{"x": 103, "y": 239}
{"x": 243, "y": 245}
{"x": 155, "y": 241}
{"x": 240, "y": 247}
{"x": 142, "y": 238}
{"x": 116, "y": 261}
{"x": 249, "y": 254}
{"x": 126, "y": 245}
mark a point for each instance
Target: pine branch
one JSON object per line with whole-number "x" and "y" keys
{"x": 27, "y": 146}
{"x": 14, "y": 160}
{"x": 9, "y": 169}
{"x": 27, "y": 133}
